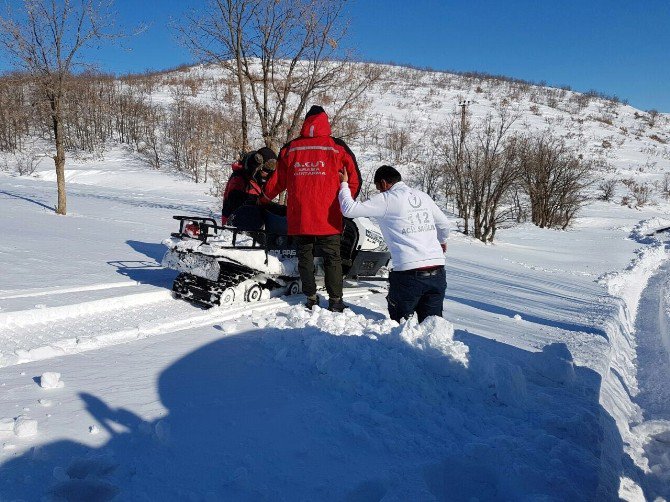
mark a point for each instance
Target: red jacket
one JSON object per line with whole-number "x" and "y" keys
{"x": 238, "y": 191}
{"x": 308, "y": 167}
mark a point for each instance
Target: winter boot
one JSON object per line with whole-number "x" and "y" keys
{"x": 312, "y": 301}
{"x": 336, "y": 305}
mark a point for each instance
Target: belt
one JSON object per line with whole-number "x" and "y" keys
{"x": 421, "y": 272}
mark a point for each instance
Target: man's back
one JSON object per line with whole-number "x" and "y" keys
{"x": 410, "y": 227}
{"x": 411, "y": 223}
{"x": 308, "y": 169}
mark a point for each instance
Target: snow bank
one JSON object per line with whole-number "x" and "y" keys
{"x": 620, "y": 384}
{"x": 379, "y": 360}
{"x": 421, "y": 390}
{"x": 628, "y": 285}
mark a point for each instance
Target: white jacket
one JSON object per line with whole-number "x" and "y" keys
{"x": 412, "y": 225}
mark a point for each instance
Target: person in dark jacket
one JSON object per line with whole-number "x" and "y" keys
{"x": 308, "y": 168}
{"x": 246, "y": 182}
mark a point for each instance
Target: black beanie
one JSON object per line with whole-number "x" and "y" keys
{"x": 314, "y": 110}
{"x": 267, "y": 154}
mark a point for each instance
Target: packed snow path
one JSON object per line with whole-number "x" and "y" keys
{"x": 653, "y": 362}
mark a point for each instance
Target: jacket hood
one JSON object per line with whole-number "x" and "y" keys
{"x": 316, "y": 125}
{"x": 237, "y": 166}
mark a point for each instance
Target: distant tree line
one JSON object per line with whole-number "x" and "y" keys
{"x": 492, "y": 176}
{"x": 98, "y": 109}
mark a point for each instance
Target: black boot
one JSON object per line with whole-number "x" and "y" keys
{"x": 312, "y": 301}
{"x": 336, "y": 305}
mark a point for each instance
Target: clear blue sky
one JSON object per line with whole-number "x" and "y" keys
{"x": 619, "y": 47}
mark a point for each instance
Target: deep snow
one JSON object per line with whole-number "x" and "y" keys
{"x": 525, "y": 391}
{"x": 545, "y": 380}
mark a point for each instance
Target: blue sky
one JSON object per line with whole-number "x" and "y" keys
{"x": 619, "y": 47}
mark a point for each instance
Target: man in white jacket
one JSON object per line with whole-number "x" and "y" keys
{"x": 416, "y": 231}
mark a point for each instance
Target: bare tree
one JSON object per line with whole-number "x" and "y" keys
{"x": 665, "y": 186}
{"x": 15, "y": 116}
{"x": 429, "y": 172}
{"x": 44, "y": 41}
{"x": 652, "y": 117}
{"x": 458, "y": 182}
{"x": 641, "y": 192}
{"x": 346, "y": 99}
{"x": 555, "y": 180}
{"x": 481, "y": 165}
{"x": 217, "y": 36}
{"x": 151, "y": 138}
{"x": 607, "y": 189}
{"x": 280, "y": 52}
{"x": 492, "y": 162}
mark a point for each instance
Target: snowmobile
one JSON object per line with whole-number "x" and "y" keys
{"x": 221, "y": 265}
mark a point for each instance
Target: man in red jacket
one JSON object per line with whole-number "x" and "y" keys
{"x": 308, "y": 168}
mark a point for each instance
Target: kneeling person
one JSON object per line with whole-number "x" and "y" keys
{"x": 416, "y": 231}
{"x": 244, "y": 188}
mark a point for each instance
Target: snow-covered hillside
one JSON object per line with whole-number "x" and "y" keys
{"x": 623, "y": 141}
{"x": 545, "y": 381}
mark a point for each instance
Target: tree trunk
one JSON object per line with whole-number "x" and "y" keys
{"x": 243, "y": 106}
{"x": 59, "y": 158}
{"x": 242, "y": 87}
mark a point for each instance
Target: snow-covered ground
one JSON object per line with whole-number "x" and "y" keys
{"x": 542, "y": 382}
{"x": 547, "y": 380}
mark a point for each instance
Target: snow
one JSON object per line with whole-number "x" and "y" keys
{"x": 544, "y": 381}
{"x": 51, "y": 380}
{"x": 25, "y": 427}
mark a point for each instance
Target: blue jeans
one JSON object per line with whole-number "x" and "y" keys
{"x": 411, "y": 292}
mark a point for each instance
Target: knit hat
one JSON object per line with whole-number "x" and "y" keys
{"x": 254, "y": 160}
{"x": 314, "y": 110}
{"x": 266, "y": 153}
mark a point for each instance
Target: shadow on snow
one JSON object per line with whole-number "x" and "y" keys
{"x": 146, "y": 271}
{"x": 274, "y": 417}
{"x": 28, "y": 199}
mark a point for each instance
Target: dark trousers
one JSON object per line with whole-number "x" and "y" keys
{"x": 329, "y": 245}
{"x": 411, "y": 292}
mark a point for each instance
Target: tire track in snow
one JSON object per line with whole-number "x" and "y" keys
{"x": 24, "y": 318}
{"x": 60, "y": 291}
{"x": 94, "y": 325}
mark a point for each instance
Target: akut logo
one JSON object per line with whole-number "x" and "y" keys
{"x": 318, "y": 163}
